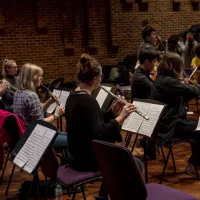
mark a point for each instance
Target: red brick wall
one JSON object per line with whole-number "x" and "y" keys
{"x": 22, "y": 21}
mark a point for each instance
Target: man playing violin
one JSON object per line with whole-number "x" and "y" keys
{"x": 141, "y": 82}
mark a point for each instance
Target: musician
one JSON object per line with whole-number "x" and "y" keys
{"x": 84, "y": 119}
{"x": 9, "y": 72}
{"x": 168, "y": 89}
{"x": 141, "y": 82}
{"x": 149, "y": 38}
{"x": 27, "y": 105}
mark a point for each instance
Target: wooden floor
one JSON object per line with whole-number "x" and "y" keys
{"x": 179, "y": 180}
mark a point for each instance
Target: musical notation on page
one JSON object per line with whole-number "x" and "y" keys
{"x": 134, "y": 121}
{"x": 33, "y": 149}
{"x": 30, "y": 145}
{"x": 148, "y": 126}
{"x": 137, "y": 124}
{"x": 102, "y": 95}
{"x": 63, "y": 97}
{"x": 39, "y": 150}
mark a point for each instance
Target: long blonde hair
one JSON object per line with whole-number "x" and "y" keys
{"x": 6, "y": 64}
{"x": 26, "y": 76}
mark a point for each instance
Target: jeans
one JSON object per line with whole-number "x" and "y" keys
{"x": 61, "y": 140}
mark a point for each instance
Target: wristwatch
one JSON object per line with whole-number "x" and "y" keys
{"x": 55, "y": 117}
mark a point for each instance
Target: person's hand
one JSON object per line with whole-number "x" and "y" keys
{"x": 127, "y": 110}
{"x": 60, "y": 110}
{"x": 3, "y": 86}
{"x": 53, "y": 98}
{"x": 118, "y": 105}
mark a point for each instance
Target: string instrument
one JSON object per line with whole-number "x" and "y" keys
{"x": 124, "y": 102}
{"x": 189, "y": 79}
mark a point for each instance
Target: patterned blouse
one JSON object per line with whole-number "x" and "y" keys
{"x": 27, "y": 106}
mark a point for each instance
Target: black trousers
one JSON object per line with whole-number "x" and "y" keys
{"x": 187, "y": 131}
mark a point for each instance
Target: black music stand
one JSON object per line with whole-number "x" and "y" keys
{"x": 20, "y": 145}
{"x": 153, "y": 135}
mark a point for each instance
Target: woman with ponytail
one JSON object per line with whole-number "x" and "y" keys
{"x": 84, "y": 118}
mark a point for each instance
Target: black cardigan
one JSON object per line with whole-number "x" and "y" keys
{"x": 85, "y": 122}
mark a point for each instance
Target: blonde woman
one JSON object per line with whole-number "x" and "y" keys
{"x": 9, "y": 71}
{"x": 27, "y": 105}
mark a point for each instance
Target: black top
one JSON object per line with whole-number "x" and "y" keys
{"x": 85, "y": 122}
{"x": 141, "y": 84}
{"x": 8, "y": 96}
{"x": 174, "y": 94}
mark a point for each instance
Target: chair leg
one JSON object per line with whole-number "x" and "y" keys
{"x": 10, "y": 179}
{"x": 4, "y": 168}
{"x": 163, "y": 155}
{"x": 165, "y": 165}
{"x": 173, "y": 160}
{"x": 74, "y": 195}
{"x": 83, "y": 191}
{"x": 46, "y": 193}
{"x": 128, "y": 139}
{"x": 134, "y": 143}
{"x": 145, "y": 160}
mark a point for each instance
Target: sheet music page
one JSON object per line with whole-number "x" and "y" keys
{"x": 63, "y": 97}
{"x": 148, "y": 126}
{"x": 101, "y": 97}
{"x": 134, "y": 121}
{"x": 198, "y": 126}
{"x": 52, "y": 107}
{"x": 29, "y": 146}
{"x": 39, "y": 150}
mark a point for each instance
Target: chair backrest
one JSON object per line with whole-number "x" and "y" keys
{"x": 120, "y": 173}
{"x": 49, "y": 164}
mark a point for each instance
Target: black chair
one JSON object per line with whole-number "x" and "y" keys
{"x": 123, "y": 180}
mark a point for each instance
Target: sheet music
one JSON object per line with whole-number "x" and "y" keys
{"x": 148, "y": 126}
{"x": 29, "y": 147}
{"x": 134, "y": 121}
{"x": 198, "y": 126}
{"x": 52, "y": 107}
{"x": 39, "y": 150}
{"x": 102, "y": 95}
{"x": 63, "y": 97}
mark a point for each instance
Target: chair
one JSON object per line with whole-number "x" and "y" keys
{"x": 13, "y": 130}
{"x": 123, "y": 180}
{"x": 68, "y": 177}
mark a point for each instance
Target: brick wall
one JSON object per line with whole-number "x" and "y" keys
{"x": 53, "y": 33}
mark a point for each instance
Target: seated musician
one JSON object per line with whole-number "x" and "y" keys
{"x": 141, "y": 82}
{"x": 9, "y": 72}
{"x": 167, "y": 88}
{"x": 84, "y": 119}
{"x": 196, "y": 63}
{"x": 26, "y": 103}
